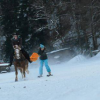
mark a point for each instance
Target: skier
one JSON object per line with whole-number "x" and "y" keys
{"x": 18, "y": 41}
{"x": 43, "y": 59}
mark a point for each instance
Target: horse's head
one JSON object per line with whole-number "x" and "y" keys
{"x": 17, "y": 52}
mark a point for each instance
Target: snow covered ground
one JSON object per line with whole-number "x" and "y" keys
{"x": 78, "y": 79}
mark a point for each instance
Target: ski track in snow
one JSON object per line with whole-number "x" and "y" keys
{"x": 78, "y": 79}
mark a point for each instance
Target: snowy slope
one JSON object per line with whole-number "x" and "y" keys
{"x": 78, "y": 79}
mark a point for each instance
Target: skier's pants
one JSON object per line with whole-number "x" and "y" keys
{"x": 46, "y": 65}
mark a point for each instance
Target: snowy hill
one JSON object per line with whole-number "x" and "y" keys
{"x": 78, "y": 79}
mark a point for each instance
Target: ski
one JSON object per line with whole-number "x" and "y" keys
{"x": 39, "y": 76}
{"x": 49, "y": 75}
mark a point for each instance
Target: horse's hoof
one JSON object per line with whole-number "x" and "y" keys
{"x": 16, "y": 80}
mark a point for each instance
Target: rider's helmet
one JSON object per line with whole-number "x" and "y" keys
{"x": 15, "y": 34}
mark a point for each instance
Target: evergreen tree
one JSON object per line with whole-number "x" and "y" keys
{"x": 8, "y": 22}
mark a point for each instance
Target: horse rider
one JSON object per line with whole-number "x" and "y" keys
{"x": 16, "y": 41}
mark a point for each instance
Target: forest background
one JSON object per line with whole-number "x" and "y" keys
{"x": 73, "y": 24}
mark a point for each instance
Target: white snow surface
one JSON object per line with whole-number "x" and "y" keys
{"x": 78, "y": 79}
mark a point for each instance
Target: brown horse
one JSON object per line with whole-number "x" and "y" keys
{"x": 20, "y": 62}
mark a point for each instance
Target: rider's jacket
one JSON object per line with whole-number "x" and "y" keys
{"x": 17, "y": 41}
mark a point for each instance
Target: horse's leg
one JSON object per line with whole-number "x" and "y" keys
{"x": 22, "y": 73}
{"x": 21, "y": 70}
{"x": 26, "y": 69}
{"x": 16, "y": 72}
